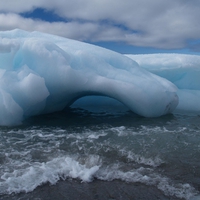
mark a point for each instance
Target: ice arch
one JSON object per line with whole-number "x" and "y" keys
{"x": 41, "y": 73}
{"x": 100, "y": 105}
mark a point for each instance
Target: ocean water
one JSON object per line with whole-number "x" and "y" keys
{"x": 102, "y": 143}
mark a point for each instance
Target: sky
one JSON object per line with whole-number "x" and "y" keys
{"x": 125, "y": 26}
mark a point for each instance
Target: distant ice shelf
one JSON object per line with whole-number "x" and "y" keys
{"x": 180, "y": 69}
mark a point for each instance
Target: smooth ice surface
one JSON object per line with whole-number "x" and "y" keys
{"x": 182, "y": 70}
{"x": 41, "y": 73}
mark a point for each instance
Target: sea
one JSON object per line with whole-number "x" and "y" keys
{"x": 101, "y": 152}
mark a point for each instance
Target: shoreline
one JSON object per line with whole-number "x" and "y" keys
{"x": 76, "y": 190}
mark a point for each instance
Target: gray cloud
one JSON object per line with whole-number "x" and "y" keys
{"x": 155, "y": 23}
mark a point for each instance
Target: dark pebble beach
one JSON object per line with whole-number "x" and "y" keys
{"x": 76, "y": 190}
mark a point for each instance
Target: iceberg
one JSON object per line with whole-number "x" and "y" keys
{"x": 182, "y": 70}
{"x": 42, "y": 73}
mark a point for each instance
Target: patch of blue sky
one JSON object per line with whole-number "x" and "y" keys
{"x": 43, "y": 14}
{"x": 130, "y": 49}
{"x": 195, "y": 45}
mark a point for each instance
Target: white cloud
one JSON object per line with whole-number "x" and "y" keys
{"x": 156, "y": 23}
{"x": 73, "y": 30}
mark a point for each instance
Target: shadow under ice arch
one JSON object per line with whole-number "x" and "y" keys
{"x": 41, "y": 73}
{"x": 100, "y": 104}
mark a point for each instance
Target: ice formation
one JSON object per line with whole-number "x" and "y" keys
{"x": 182, "y": 70}
{"x": 41, "y": 73}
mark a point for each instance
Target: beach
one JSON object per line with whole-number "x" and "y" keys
{"x": 99, "y": 190}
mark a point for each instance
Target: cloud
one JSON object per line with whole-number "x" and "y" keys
{"x": 155, "y": 23}
{"x": 74, "y": 30}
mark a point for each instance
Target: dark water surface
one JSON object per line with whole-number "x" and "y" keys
{"x": 79, "y": 154}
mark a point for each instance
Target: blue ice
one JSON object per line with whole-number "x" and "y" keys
{"x": 182, "y": 70}
{"x": 41, "y": 73}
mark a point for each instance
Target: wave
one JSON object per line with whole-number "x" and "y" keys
{"x": 63, "y": 168}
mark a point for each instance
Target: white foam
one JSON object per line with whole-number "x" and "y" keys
{"x": 153, "y": 162}
{"x": 26, "y": 180}
{"x": 85, "y": 169}
{"x": 148, "y": 177}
